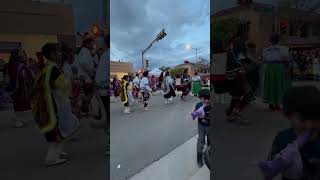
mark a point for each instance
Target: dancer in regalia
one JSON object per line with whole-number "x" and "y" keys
{"x": 168, "y": 88}
{"x": 21, "y": 80}
{"x": 51, "y": 106}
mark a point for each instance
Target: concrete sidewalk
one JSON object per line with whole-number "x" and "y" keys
{"x": 179, "y": 164}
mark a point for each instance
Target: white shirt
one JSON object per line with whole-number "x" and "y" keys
{"x": 102, "y": 69}
{"x": 85, "y": 62}
{"x": 144, "y": 83}
{"x": 196, "y": 78}
{"x": 169, "y": 80}
{"x": 275, "y": 53}
{"x": 136, "y": 81}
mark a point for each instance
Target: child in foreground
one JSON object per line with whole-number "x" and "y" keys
{"x": 202, "y": 112}
{"x": 294, "y": 148}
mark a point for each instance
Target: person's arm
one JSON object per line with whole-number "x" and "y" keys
{"x": 54, "y": 77}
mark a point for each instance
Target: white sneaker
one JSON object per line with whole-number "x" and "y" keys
{"x": 146, "y": 109}
{"x": 170, "y": 100}
{"x": 166, "y": 102}
{"x": 126, "y": 111}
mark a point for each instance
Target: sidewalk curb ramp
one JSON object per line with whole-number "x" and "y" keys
{"x": 179, "y": 164}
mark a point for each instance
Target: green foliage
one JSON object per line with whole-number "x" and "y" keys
{"x": 164, "y": 68}
{"x": 177, "y": 71}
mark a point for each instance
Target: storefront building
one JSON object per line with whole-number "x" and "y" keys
{"x": 120, "y": 69}
{"x": 29, "y": 25}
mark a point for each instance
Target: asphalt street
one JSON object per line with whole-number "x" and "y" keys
{"x": 23, "y": 151}
{"x": 140, "y": 138}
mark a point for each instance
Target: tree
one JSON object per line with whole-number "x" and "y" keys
{"x": 177, "y": 71}
{"x": 164, "y": 68}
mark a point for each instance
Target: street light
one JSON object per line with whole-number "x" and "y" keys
{"x": 160, "y": 36}
{"x": 189, "y": 47}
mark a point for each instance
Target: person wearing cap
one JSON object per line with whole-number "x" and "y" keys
{"x": 202, "y": 112}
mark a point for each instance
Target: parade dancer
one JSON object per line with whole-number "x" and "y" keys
{"x": 72, "y": 79}
{"x": 51, "y": 106}
{"x": 196, "y": 84}
{"x": 145, "y": 90}
{"x": 136, "y": 86}
{"x": 202, "y": 112}
{"x": 115, "y": 87}
{"x": 168, "y": 88}
{"x": 237, "y": 68}
{"x": 186, "y": 85}
{"x": 124, "y": 94}
{"x": 85, "y": 63}
{"x": 101, "y": 79}
{"x": 277, "y": 75}
{"x": 21, "y": 80}
{"x": 131, "y": 99}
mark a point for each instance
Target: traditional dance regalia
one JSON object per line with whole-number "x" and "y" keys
{"x": 116, "y": 88}
{"x": 196, "y": 85}
{"x": 168, "y": 89}
{"x": 186, "y": 86}
{"x": 21, "y": 80}
{"x": 136, "y": 87}
{"x": 51, "y": 110}
{"x": 131, "y": 99}
{"x": 145, "y": 90}
{"x": 124, "y": 96}
{"x": 238, "y": 67}
{"x": 276, "y": 74}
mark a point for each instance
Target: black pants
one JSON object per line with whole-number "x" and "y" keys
{"x": 146, "y": 97}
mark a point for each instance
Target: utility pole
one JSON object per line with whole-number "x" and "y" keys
{"x": 160, "y": 36}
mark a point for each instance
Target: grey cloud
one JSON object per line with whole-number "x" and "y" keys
{"x": 133, "y": 27}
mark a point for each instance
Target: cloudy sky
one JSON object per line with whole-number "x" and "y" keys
{"x": 217, "y": 5}
{"x": 135, "y": 23}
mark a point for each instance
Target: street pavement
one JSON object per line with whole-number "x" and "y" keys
{"x": 23, "y": 152}
{"x": 237, "y": 147}
{"x": 143, "y": 137}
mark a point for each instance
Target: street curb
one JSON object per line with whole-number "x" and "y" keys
{"x": 179, "y": 164}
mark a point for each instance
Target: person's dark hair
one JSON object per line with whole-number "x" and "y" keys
{"x": 125, "y": 77}
{"x": 167, "y": 73}
{"x": 145, "y": 74}
{"x": 49, "y": 48}
{"x": 196, "y": 74}
{"x": 274, "y": 39}
{"x": 87, "y": 41}
{"x": 66, "y": 51}
{"x": 204, "y": 93}
{"x": 303, "y": 100}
